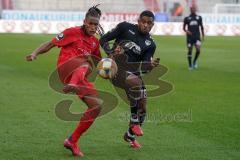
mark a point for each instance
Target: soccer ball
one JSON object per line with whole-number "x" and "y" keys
{"x": 107, "y": 68}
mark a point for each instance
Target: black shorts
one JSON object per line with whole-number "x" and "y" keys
{"x": 193, "y": 41}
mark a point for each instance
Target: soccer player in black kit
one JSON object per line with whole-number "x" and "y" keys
{"x": 193, "y": 23}
{"x": 134, "y": 42}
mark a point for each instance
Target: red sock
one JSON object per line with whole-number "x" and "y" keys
{"x": 85, "y": 122}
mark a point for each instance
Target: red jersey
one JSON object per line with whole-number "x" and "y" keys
{"x": 74, "y": 42}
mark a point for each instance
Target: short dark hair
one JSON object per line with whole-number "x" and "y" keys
{"x": 94, "y": 12}
{"x": 147, "y": 13}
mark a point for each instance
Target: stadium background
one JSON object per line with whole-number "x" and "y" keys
{"x": 198, "y": 120}
{"x": 221, "y": 17}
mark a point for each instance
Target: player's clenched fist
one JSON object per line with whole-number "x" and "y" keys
{"x": 31, "y": 57}
{"x": 155, "y": 62}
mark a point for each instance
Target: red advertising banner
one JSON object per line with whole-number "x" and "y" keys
{"x": 119, "y": 17}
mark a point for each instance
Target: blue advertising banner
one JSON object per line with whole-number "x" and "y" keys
{"x": 221, "y": 18}
{"x": 42, "y": 15}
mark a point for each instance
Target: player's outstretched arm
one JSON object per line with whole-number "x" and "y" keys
{"x": 43, "y": 48}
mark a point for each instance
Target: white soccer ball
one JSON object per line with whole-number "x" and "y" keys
{"x": 107, "y": 68}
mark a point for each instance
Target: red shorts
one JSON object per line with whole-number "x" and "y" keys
{"x": 74, "y": 73}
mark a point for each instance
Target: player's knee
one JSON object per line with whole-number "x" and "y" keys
{"x": 134, "y": 89}
{"x": 190, "y": 47}
{"x": 133, "y": 81}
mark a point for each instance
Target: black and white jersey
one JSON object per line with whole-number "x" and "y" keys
{"x": 193, "y": 23}
{"x": 141, "y": 47}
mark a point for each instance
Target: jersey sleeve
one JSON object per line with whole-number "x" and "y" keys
{"x": 184, "y": 23}
{"x": 64, "y": 38}
{"x": 113, "y": 34}
{"x": 200, "y": 22}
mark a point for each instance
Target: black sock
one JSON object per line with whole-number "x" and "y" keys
{"x": 130, "y": 134}
{"x": 196, "y": 57}
{"x": 190, "y": 59}
{"x": 141, "y": 117}
{"x": 134, "y": 111}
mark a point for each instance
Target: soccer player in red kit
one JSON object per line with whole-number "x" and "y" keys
{"x": 77, "y": 44}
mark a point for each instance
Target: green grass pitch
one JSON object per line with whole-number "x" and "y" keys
{"x": 207, "y": 99}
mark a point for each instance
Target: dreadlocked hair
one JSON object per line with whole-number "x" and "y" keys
{"x": 94, "y": 12}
